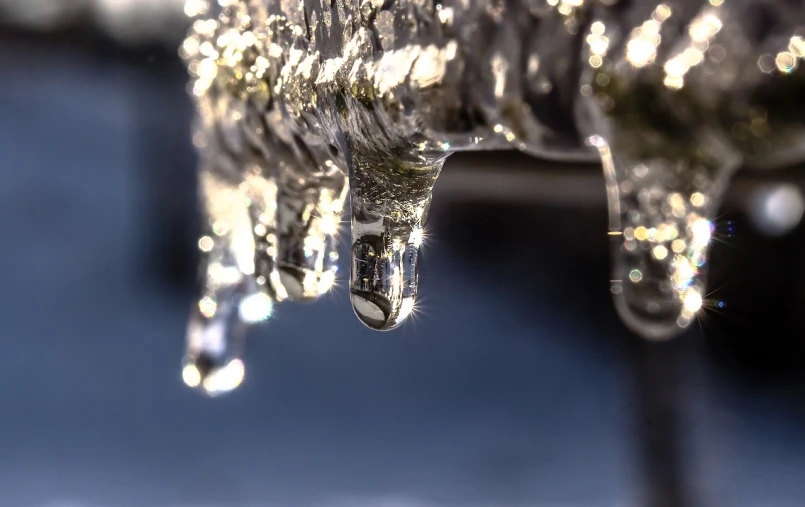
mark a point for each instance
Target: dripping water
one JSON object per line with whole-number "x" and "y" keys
{"x": 390, "y": 204}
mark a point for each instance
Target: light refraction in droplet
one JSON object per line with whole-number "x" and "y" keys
{"x": 390, "y": 206}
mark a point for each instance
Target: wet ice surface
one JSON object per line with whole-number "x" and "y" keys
{"x": 383, "y": 90}
{"x": 527, "y": 400}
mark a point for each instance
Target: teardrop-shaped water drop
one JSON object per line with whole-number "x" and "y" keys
{"x": 390, "y": 203}
{"x": 661, "y": 224}
{"x": 216, "y": 335}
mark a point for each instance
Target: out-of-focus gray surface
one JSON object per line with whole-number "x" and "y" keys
{"x": 132, "y": 22}
{"x": 515, "y": 387}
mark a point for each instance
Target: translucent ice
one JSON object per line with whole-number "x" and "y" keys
{"x": 674, "y": 96}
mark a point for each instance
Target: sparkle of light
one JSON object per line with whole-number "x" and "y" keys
{"x": 693, "y": 301}
{"x": 701, "y": 229}
{"x": 255, "y": 308}
{"x": 225, "y": 379}
{"x": 786, "y": 62}
{"x": 205, "y": 244}
{"x": 191, "y": 376}
{"x": 208, "y": 306}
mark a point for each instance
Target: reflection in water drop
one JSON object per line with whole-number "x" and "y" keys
{"x": 389, "y": 210}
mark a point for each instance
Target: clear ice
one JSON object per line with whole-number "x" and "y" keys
{"x": 303, "y": 102}
{"x": 390, "y": 204}
{"x": 681, "y": 95}
{"x": 229, "y": 298}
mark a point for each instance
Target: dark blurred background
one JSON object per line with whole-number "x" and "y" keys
{"x": 509, "y": 388}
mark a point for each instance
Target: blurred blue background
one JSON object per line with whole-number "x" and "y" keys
{"x": 512, "y": 387}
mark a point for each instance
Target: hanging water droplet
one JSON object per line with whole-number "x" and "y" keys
{"x": 667, "y": 157}
{"x": 660, "y": 227}
{"x": 309, "y": 216}
{"x": 296, "y": 211}
{"x": 216, "y": 334}
{"x": 230, "y": 298}
{"x": 390, "y": 205}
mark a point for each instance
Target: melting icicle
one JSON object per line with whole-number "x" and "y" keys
{"x": 309, "y": 216}
{"x": 296, "y": 205}
{"x": 295, "y": 208}
{"x": 296, "y": 218}
{"x": 229, "y": 299}
{"x": 685, "y": 99}
{"x": 261, "y": 190}
{"x": 666, "y": 161}
{"x": 679, "y": 92}
{"x": 216, "y": 334}
{"x": 389, "y": 209}
{"x": 660, "y": 227}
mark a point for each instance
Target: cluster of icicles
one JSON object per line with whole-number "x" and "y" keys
{"x": 305, "y": 103}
